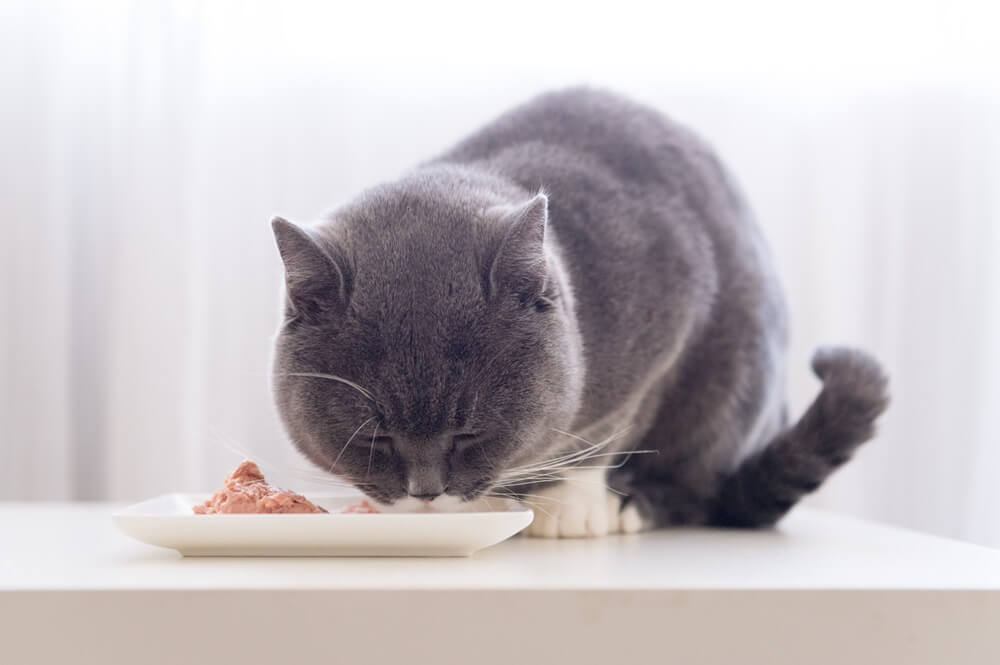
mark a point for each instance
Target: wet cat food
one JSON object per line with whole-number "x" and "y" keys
{"x": 246, "y": 491}
{"x": 362, "y": 507}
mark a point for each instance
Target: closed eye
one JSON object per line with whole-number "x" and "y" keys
{"x": 464, "y": 440}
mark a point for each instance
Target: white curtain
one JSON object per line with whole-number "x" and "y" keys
{"x": 145, "y": 146}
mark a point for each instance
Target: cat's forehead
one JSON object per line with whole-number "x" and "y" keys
{"x": 415, "y": 249}
{"x": 412, "y": 216}
{"x": 432, "y": 208}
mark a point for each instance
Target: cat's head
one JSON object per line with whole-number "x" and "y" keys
{"x": 428, "y": 344}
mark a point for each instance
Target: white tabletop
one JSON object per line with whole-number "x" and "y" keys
{"x": 64, "y": 568}
{"x": 75, "y": 546}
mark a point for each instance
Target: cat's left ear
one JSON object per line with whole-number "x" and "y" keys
{"x": 315, "y": 282}
{"x": 519, "y": 264}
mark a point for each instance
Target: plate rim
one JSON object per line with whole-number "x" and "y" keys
{"x": 308, "y": 535}
{"x": 128, "y": 511}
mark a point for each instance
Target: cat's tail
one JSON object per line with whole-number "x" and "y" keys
{"x": 767, "y": 484}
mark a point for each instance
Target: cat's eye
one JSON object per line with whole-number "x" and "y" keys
{"x": 544, "y": 304}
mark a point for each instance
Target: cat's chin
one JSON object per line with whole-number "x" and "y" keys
{"x": 443, "y": 504}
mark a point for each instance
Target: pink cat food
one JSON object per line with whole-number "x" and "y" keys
{"x": 363, "y": 507}
{"x": 246, "y": 491}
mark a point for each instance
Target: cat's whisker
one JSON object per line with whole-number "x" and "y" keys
{"x": 626, "y": 453}
{"x": 305, "y": 476}
{"x": 577, "y": 455}
{"x": 301, "y": 474}
{"x": 574, "y": 459}
{"x": 333, "y": 377}
{"x": 236, "y": 449}
{"x": 542, "y": 467}
{"x": 558, "y": 469}
{"x": 371, "y": 451}
{"x": 524, "y": 480}
{"x": 538, "y": 497}
{"x": 595, "y": 482}
{"x": 531, "y": 504}
{"x": 574, "y": 436}
{"x": 342, "y": 450}
{"x": 590, "y": 448}
{"x": 562, "y": 479}
{"x": 596, "y": 466}
{"x": 564, "y": 460}
{"x": 532, "y": 474}
{"x": 319, "y": 477}
{"x": 622, "y": 452}
{"x": 609, "y": 439}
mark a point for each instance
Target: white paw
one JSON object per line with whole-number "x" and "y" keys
{"x": 630, "y": 520}
{"x": 580, "y": 507}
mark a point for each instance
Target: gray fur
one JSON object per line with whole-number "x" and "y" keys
{"x": 580, "y": 264}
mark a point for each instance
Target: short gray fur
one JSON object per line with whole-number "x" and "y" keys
{"x": 580, "y": 264}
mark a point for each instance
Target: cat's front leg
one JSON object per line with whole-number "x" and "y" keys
{"x": 581, "y": 506}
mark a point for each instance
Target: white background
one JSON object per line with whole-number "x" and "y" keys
{"x": 145, "y": 145}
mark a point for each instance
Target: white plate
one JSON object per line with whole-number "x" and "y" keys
{"x": 167, "y": 521}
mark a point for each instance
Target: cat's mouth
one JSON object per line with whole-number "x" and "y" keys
{"x": 444, "y": 503}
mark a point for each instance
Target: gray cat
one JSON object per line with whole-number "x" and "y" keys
{"x": 578, "y": 280}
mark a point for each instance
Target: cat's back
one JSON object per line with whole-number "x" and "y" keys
{"x": 655, "y": 184}
{"x": 657, "y": 239}
{"x": 590, "y": 128}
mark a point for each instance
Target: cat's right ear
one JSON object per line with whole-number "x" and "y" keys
{"x": 519, "y": 264}
{"x": 314, "y": 281}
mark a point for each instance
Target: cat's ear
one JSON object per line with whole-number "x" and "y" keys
{"x": 519, "y": 264}
{"x": 314, "y": 281}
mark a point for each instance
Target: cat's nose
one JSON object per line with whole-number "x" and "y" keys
{"x": 425, "y": 488}
{"x": 427, "y": 470}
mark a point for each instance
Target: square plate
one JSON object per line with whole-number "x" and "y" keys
{"x": 167, "y": 521}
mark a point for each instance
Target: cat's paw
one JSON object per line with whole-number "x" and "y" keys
{"x": 579, "y": 507}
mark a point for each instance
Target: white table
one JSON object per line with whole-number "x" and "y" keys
{"x": 821, "y": 589}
